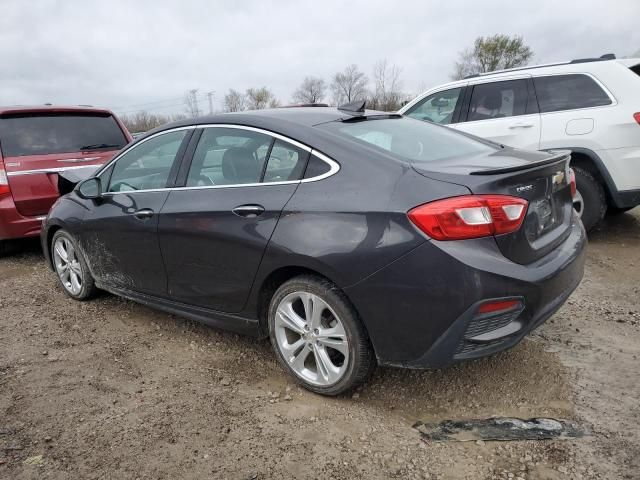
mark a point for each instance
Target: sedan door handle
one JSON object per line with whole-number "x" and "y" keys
{"x": 248, "y": 211}
{"x": 143, "y": 214}
{"x": 521, "y": 125}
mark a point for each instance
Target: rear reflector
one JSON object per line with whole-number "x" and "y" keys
{"x": 636, "y": 116}
{"x": 572, "y": 183}
{"x": 499, "y": 306}
{"x": 469, "y": 216}
{"x": 4, "y": 180}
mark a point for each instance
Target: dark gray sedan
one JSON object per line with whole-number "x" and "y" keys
{"x": 351, "y": 238}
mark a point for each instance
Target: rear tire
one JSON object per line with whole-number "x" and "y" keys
{"x": 71, "y": 267}
{"x": 593, "y": 201}
{"x": 4, "y": 249}
{"x": 328, "y": 353}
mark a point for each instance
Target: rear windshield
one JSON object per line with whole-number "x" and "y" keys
{"x": 409, "y": 139}
{"x": 42, "y": 134}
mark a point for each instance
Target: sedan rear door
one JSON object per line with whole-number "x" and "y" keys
{"x": 503, "y": 111}
{"x": 213, "y": 232}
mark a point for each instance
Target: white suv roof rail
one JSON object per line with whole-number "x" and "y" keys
{"x": 603, "y": 58}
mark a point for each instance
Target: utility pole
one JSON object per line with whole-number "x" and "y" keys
{"x": 210, "y": 96}
{"x": 194, "y": 99}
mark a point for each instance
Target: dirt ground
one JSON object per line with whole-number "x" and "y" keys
{"x": 111, "y": 389}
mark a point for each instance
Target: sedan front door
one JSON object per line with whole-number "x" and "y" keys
{"x": 119, "y": 230}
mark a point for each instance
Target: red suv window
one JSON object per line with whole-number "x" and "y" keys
{"x": 45, "y": 133}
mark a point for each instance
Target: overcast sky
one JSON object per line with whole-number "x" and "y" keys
{"x": 132, "y": 55}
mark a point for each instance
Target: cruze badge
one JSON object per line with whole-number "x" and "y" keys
{"x": 524, "y": 188}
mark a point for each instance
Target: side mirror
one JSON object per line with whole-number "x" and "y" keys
{"x": 90, "y": 189}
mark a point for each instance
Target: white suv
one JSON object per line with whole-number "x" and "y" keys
{"x": 589, "y": 106}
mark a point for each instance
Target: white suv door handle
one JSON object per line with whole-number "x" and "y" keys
{"x": 521, "y": 125}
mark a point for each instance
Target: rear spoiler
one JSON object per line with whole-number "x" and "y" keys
{"x": 556, "y": 156}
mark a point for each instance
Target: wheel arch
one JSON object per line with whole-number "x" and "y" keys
{"x": 590, "y": 161}
{"x": 279, "y": 276}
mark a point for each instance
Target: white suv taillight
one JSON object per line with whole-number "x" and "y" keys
{"x": 636, "y": 116}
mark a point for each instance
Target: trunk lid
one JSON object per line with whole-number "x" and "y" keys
{"x": 542, "y": 178}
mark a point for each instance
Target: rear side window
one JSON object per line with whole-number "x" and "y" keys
{"x": 498, "y": 100}
{"x": 43, "y": 134}
{"x": 568, "y": 92}
{"x": 286, "y": 162}
{"x": 409, "y": 139}
{"x": 229, "y": 156}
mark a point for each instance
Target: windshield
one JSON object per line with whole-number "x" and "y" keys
{"x": 409, "y": 139}
{"x": 41, "y": 134}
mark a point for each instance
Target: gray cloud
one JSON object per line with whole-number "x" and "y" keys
{"x": 124, "y": 55}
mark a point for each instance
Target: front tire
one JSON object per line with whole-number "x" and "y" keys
{"x": 590, "y": 202}
{"x": 318, "y": 337}
{"x": 71, "y": 267}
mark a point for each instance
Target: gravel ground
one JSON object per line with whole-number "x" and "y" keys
{"x": 112, "y": 389}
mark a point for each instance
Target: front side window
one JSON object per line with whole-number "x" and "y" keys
{"x": 46, "y": 133}
{"x": 147, "y": 165}
{"x": 568, "y": 92}
{"x": 408, "y": 139}
{"x": 438, "y": 107}
{"x": 498, "y": 100}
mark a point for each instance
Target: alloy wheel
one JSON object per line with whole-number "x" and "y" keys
{"x": 311, "y": 338}
{"x": 67, "y": 265}
{"x": 578, "y": 204}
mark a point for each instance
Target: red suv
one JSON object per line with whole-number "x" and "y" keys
{"x": 37, "y": 143}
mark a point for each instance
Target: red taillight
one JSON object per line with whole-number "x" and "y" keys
{"x": 470, "y": 216}
{"x": 4, "y": 180}
{"x": 636, "y": 116}
{"x": 499, "y": 306}
{"x": 572, "y": 183}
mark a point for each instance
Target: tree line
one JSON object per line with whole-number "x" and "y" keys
{"x": 382, "y": 91}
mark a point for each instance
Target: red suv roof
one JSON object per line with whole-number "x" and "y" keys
{"x": 13, "y": 109}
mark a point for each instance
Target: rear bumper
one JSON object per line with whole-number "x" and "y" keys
{"x": 14, "y": 225}
{"x": 418, "y": 309}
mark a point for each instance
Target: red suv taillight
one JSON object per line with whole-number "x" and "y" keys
{"x": 4, "y": 180}
{"x": 469, "y": 216}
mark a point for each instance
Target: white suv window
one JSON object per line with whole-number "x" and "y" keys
{"x": 437, "y": 107}
{"x": 568, "y": 92}
{"x": 498, "y": 100}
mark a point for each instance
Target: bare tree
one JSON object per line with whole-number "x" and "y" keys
{"x": 496, "y": 52}
{"x": 387, "y": 94}
{"x": 143, "y": 121}
{"x": 234, "y": 101}
{"x": 311, "y": 90}
{"x": 259, "y": 98}
{"x": 191, "y": 102}
{"x": 349, "y": 85}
